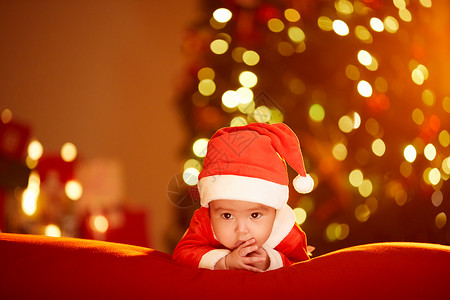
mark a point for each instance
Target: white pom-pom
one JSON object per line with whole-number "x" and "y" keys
{"x": 303, "y": 184}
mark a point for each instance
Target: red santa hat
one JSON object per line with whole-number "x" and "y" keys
{"x": 247, "y": 163}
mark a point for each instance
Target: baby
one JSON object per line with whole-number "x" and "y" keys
{"x": 244, "y": 222}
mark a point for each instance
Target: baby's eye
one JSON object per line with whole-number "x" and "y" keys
{"x": 256, "y": 215}
{"x": 227, "y": 216}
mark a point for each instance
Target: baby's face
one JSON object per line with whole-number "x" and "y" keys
{"x": 235, "y": 222}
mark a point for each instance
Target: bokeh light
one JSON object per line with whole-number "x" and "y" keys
{"x": 222, "y": 15}
{"x": 200, "y": 147}
{"x": 340, "y": 27}
{"x": 190, "y": 176}
{"x": 364, "y": 88}
{"x": 68, "y": 152}
{"x": 35, "y": 150}
{"x": 316, "y": 112}
{"x": 52, "y": 230}
{"x": 248, "y": 79}
{"x": 410, "y": 153}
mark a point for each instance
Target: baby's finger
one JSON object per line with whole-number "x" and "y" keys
{"x": 253, "y": 269}
{"x": 253, "y": 259}
{"x": 249, "y": 249}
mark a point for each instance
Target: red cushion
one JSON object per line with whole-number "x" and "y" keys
{"x": 38, "y": 267}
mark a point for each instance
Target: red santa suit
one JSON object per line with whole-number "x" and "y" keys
{"x": 200, "y": 248}
{"x": 248, "y": 163}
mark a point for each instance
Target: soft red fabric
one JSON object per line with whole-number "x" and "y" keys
{"x": 37, "y": 267}
{"x": 199, "y": 240}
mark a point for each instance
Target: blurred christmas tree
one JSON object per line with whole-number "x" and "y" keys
{"x": 364, "y": 84}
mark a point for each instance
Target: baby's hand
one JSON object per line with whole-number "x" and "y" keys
{"x": 238, "y": 258}
{"x": 264, "y": 264}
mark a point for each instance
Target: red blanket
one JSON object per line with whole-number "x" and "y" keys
{"x": 37, "y": 267}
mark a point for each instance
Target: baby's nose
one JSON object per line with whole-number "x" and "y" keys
{"x": 243, "y": 231}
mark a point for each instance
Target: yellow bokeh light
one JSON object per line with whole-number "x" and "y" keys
{"x": 405, "y": 15}
{"x": 222, "y": 15}
{"x": 230, "y": 99}
{"x": 362, "y": 213}
{"x": 325, "y": 23}
{"x": 245, "y": 95}
{"x": 200, "y": 147}
{"x": 73, "y": 190}
{"x": 35, "y": 150}
{"x": 418, "y": 116}
{"x": 68, "y": 152}
{"x": 434, "y": 176}
{"x": 446, "y": 104}
{"x": 364, "y": 88}
{"x": 363, "y": 34}
{"x": 316, "y": 112}
{"x": 248, "y": 79}
{"x": 52, "y": 230}
{"x": 275, "y": 25}
{"x": 340, "y": 152}
{"x": 430, "y": 152}
{"x": 417, "y": 77}
{"x": 376, "y": 24}
{"x": 262, "y": 114}
{"x": 190, "y": 176}
{"x": 238, "y": 121}
{"x": 238, "y": 53}
{"x": 381, "y": 84}
{"x": 345, "y": 124}
{"x": 400, "y": 4}
{"x": 372, "y": 126}
{"x": 330, "y": 232}
{"x": 437, "y": 198}
{"x": 410, "y": 153}
{"x": 391, "y": 24}
{"x": 219, "y": 46}
{"x": 405, "y": 169}
{"x": 356, "y": 178}
{"x": 250, "y": 58}
{"x": 373, "y": 66}
{"x": 444, "y": 138}
{"x": 446, "y": 165}
{"x": 206, "y": 73}
{"x": 366, "y": 188}
{"x": 192, "y": 163}
{"x": 285, "y": 48}
{"x": 352, "y": 72}
{"x": 342, "y": 231}
{"x": 340, "y": 27}
{"x": 99, "y": 223}
{"x": 426, "y": 3}
{"x": 428, "y": 97}
{"x": 276, "y": 116}
{"x": 300, "y": 215}
{"x": 247, "y": 108}
{"x": 378, "y": 147}
{"x": 206, "y": 87}
{"x": 356, "y": 120}
{"x": 296, "y": 34}
{"x": 29, "y": 200}
{"x": 291, "y": 15}
{"x": 215, "y": 24}
{"x": 440, "y": 220}
{"x": 344, "y": 7}
{"x": 6, "y": 116}
{"x": 364, "y": 57}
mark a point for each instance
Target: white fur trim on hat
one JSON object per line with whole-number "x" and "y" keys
{"x": 282, "y": 225}
{"x": 234, "y": 187}
{"x": 303, "y": 184}
{"x": 210, "y": 259}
